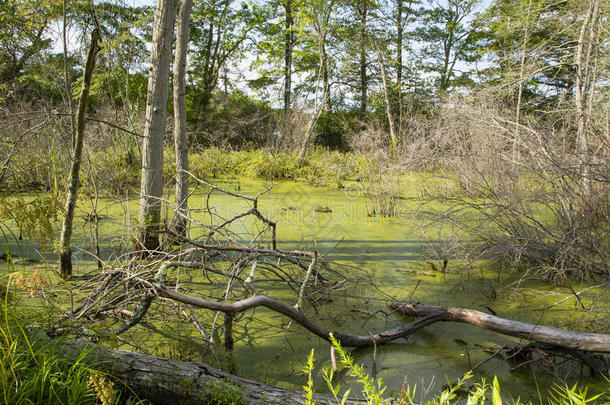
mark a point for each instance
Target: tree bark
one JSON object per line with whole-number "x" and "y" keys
{"x": 165, "y": 381}
{"x": 288, "y": 45}
{"x": 388, "y": 101}
{"x": 582, "y": 85}
{"x": 325, "y": 82}
{"x": 321, "y": 22}
{"x": 67, "y": 82}
{"x": 591, "y": 342}
{"x": 156, "y": 114}
{"x": 65, "y": 248}
{"x": 178, "y": 224}
{"x": 362, "y": 10}
{"x": 399, "y": 36}
{"x": 309, "y": 134}
{"x": 526, "y": 36}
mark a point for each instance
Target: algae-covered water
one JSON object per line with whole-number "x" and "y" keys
{"x": 398, "y": 254}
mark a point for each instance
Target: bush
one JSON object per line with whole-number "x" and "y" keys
{"x": 521, "y": 194}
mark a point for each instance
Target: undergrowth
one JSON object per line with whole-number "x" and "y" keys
{"x": 373, "y": 390}
{"x": 113, "y": 171}
{"x": 33, "y": 370}
{"x": 320, "y": 167}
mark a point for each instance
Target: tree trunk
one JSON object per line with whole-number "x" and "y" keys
{"x": 165, "y": 381}
{"x": 65, "y": 248}
{"x": 399, "y": 35}
{"x": 325, "y": 83}
{"x": 591, "y": 342}
{"x": 526, "y": 35}
{"x": 388, "y": 101}
{"x": 67, "y": 82}
{"x": 363, "y": 47}
{"x": 309, "y": 132}
{"x": 289, "y": 38}
{"x": 156, "y": 114}
{"x": 583, "y": 81}
{"x": 178, "y": 225}
{"x": 453, "y": 17}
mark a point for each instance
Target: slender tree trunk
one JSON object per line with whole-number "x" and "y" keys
{"x": 526, "y": 35}
{"x": 448, "y": 43}
{"x": 582, "y": 84}
{"x": 178, "y": 224}
{"x": 65, "y": 248}
{"x": 208, "y": 69}
{"x": 593, "y": 342}
{"x": 156, "y": 114}
{"x": 399, "y": 39}
{"x": 325, "y": 83}
{"x": 388, "y": 102}
{"x": 309, "y": 135}
{"x": 67, "y": 83}
{"x": 445, "y": 73}
{"x": 204, "y": 106}
{"x": 363, "y": 47}
{"x": 289, "y": 39}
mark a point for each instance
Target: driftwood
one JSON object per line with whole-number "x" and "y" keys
{"x": 165, "y": 381}
{"x": 590, "y": 342}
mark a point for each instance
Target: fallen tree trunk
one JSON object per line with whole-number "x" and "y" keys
{"x": 590, "y": 342}
{"x": 164, "y": 381}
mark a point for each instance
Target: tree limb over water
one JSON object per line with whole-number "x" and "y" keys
{"x": 590, "y": 342}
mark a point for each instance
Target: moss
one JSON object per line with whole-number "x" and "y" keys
{"x": 222, "y": 393}
{"x": 187, "y": 383}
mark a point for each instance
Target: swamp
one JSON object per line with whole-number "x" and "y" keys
{"x": 305, "y": 202}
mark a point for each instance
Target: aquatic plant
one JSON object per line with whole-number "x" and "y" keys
{"x": 477, "y": 393}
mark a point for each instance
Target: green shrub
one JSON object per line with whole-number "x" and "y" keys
{"x": 34, "y": 217}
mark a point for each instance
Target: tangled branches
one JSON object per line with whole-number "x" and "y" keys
{"x": 214, "y": 266}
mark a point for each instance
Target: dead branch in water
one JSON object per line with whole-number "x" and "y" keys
{"x": 590, "y": 342}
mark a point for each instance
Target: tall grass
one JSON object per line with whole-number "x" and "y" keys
{"x": 32, "y": 370}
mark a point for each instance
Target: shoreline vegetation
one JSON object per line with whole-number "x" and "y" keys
{"x": 41, "y": 369}
{"x": 122, "y": 170}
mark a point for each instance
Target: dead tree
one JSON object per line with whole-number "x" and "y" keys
{"x": 162, "y": 381}
{"x": 591, "y": 342}
{"x": 180, "y": 139}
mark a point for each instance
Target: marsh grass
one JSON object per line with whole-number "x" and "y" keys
{"x": 32, "y": 368}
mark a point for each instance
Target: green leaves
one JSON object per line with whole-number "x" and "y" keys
{"x": 495, "y": 392}
{"x": 309, "y": 386}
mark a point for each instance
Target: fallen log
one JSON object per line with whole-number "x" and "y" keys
{"x": 164, "y": 381}
{"x": 590, "y": 342}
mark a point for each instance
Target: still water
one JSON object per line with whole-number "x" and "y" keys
{"x": 398, "y": 255}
